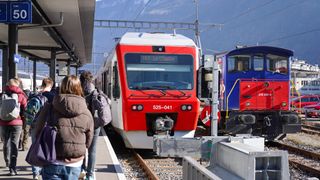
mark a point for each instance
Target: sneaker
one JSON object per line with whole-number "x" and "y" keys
{"x": 13, "y": 172}
{"x": 82, "y": 174}
{"x": 36, "y": 176}
{"x": 90, "y": 178}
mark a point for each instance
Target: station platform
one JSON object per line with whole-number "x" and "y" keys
{"x": 107, "y": 164}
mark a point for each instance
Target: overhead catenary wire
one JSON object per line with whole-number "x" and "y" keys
{"x": 291, "y": 35}
{"x": 144, "y": 7}
{"x": 266, "y": 15}
{"x": 247, "y": 11}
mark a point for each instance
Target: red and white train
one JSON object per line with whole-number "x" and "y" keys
{"x": 151, "y": 81}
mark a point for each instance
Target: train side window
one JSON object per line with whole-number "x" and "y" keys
{"x": 115, "y": 88}
{"x": 277, "y": 64}
{"x": 258, "y": 62}
{"x": 314, "y": 99}
{"x": 238, "y": 63}
{"x": 305, "y": 99}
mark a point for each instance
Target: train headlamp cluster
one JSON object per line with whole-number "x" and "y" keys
{"x": 283, "y": 104}
{"x": 186, "y": 107}
{"x": 137, "y": 107}
{"x": 248, "y": 103}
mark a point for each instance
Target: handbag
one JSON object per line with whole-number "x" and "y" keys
{"x": 43, "y": 152}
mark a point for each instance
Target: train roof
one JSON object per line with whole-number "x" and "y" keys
{"x": 261, "y": 49}
{"x": 155, "y": 39}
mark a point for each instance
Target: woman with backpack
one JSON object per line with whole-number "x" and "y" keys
{"x": 74, "y": 125}
{"x": 12, "y": 105}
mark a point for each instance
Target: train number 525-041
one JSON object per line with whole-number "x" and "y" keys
{"x": 160, "y": 107}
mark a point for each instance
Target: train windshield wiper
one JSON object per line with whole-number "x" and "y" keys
{"x": 166, "y": 87}
{"x": 140, "y": 88}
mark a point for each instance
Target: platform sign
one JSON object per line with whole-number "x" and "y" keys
{"x": 20, "y": 12}
{"x": 17, "y": 12}
{"x": 3, "y": 12}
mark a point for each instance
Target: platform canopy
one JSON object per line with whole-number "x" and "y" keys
{"x": 61, "y": 26}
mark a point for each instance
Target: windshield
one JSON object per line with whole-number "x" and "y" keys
{"x": 159, "y": 71}
{"x": 239, "y": 63}
{"x": 277, "y": 64}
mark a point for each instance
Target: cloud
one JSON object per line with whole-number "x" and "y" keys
{"x": 159, "y": 12}
{"x": 140, "y": 2}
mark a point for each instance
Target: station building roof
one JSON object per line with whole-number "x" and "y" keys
{"x": 72, "y": 39}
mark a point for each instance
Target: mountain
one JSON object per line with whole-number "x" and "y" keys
{"x": 291, "y": 24}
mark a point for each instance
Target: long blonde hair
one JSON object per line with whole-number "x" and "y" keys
{"x": 13, "y": 82}
{"x": 71, "y": 85}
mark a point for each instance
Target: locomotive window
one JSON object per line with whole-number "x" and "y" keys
{"x": 277, "y": 64}
{"x": 258, "y": 62}
{"x": 159, "y": 71}
{"x": 238, "y": 63}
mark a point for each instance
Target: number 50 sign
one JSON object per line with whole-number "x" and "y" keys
{"x": 16, "y": 12}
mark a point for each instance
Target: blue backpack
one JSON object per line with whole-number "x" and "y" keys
{"x": 34, "y": 105}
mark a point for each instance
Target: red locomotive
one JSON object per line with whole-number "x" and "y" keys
{"x": 255, "y": 92}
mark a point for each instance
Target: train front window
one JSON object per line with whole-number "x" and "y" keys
{"x": 258, "y": 62}
{"x": 239, "y": 63}
{"x": 159, "y": 71}
{"x": 278, "y": 64}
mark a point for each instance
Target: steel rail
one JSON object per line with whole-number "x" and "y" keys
{"x": 151, "y": 175}
{"x": 315, "y": 128}
{"x": 304, "y": 167}
{"x": 305, "y": 153}
{"x": 308, "y": 131}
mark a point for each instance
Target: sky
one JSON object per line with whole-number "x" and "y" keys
{"x": 291, "y": 24}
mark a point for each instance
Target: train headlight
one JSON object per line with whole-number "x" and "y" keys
{"x": 140, "y": 107}
{"x": 283, "y": 104}
{"x": 186, "y": 107}
{"x": 137, "y": 107}
{"x": 248, "y": 103}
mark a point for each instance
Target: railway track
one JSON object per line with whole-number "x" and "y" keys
{"x": 144, "y": 164}
{"x": 299, "y": 158}
{"x": 309, "y": 129}
{"x": 137, "y": 165}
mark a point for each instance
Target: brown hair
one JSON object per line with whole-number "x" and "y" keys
{"x": 86, "y": 76}
{"x": 47, "y": 82}
{"x": 71, "y": 85}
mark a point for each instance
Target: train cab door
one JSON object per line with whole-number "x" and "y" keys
{"x": 116, "y": 98}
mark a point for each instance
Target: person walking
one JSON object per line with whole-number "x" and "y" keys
{"x": 91, "y": 93}
{"x": 11, "y": 122}
{"x": 74, "y": 124}
{"x": 34, "y": 106}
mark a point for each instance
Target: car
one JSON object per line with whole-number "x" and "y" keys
{"x": 298, "y": 103}
{"x": 312, "y": 110}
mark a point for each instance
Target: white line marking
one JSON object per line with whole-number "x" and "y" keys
{"x": 114, "y": 158}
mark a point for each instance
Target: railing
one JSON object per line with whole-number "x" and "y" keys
{"x": 299, "y": 96}
{"x": 227, "y": 110}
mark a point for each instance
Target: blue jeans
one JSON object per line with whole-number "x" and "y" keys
{"x": 10, "y": 136}
{"x": 60, "y": 172}
{"x": 35, "y": 169}
{"x": 92, "y": 153}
